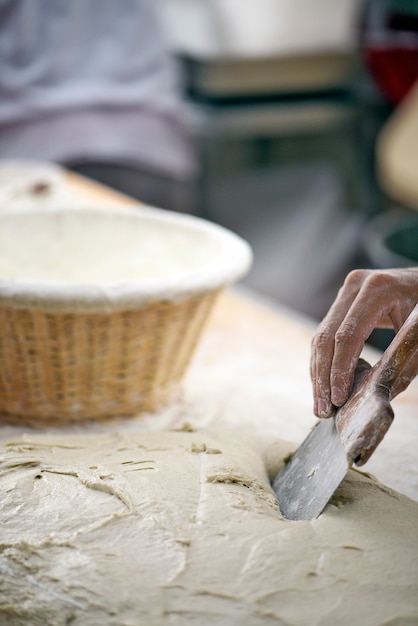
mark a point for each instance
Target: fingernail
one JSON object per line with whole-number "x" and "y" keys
{"x": 324, "y": 408}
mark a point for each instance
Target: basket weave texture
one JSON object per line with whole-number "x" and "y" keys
{"x": 59, "y": 368}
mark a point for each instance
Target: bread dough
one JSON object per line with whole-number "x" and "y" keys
{"x": 182, "y": 527}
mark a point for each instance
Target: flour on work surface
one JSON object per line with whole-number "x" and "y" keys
{"x": 182, "y": 527}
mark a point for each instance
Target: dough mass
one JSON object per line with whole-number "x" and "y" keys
{"x": 180, "y": 527}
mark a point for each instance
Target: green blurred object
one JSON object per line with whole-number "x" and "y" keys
{"x": 404, "y": 242}
{"x": 408, "y": 7}
{"x": 391, "y": 239}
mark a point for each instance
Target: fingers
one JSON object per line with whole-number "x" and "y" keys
{"x": 368, "y": 299}
{"x": 361, "y": 304}
{"x": 323, "y": 345}
{"x": 361, "y": 319}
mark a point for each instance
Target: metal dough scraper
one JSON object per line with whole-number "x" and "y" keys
{"x": 313, "y": 473}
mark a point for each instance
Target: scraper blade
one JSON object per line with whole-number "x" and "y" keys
{"x": 310, "y": 478}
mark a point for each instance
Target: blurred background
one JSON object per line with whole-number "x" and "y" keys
{"x": 291, "y": 122}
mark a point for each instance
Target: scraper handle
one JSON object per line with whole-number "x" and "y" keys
{"x": 364, "y": 419}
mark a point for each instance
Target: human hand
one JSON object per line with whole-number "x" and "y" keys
{"x": 367, "y": 300}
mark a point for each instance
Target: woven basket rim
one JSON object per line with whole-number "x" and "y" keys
{"x": 233, "y": 262}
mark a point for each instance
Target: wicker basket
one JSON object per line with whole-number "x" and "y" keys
{"x": 73, "y": 350}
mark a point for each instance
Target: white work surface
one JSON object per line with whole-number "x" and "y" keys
{"x": 251, "y": 372}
